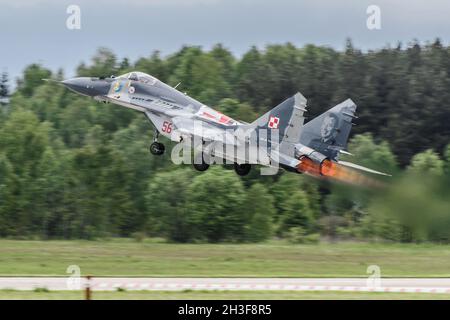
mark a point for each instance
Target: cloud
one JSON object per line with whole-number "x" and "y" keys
{"x": 143, "y": 3}
{"x": 134, "y": 28}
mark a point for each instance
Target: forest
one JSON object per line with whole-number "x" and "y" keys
{"x": 75, "y": 168}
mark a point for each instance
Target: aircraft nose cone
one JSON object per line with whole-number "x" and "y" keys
{"x": 69, "y": 83}
{"x": 78, "y": 85}
{"x": 74, "y": 82}
{"x": 87, "y": 86}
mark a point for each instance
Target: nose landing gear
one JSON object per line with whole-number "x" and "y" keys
{"x": 156, "y": 148}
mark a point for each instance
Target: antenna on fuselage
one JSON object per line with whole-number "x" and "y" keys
{"x": 177, "y": 85}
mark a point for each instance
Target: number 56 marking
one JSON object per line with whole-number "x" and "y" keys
{"x": 167, "y": 127}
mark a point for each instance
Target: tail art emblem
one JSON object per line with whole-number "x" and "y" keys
{"x": 274, "y": 122}
{"x": 328, "y": 129}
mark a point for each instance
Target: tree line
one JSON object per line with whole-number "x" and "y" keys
{"x": 72, "y": 168}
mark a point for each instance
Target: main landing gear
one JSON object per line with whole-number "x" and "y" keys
{"x": 242, "y": 169}
{"x": 157, "y": 148}
{"x": 200, "y": 163}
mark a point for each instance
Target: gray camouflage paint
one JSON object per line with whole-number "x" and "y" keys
{"x": 329, "y": 132}
{"x": 321, "y": 137}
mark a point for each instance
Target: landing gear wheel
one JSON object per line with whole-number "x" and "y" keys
{"x": 242, "y": 169}
{"x": 199, "y": 162}
{"x": 157, "y": 148}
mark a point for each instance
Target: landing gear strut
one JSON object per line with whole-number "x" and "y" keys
{"x": 242, "y": 169}
{"x": 157, "y": 148}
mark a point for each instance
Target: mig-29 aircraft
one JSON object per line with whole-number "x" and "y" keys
{"x": 281, "y": 139}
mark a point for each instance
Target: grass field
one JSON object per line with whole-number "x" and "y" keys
{"x": 126, "y": 257}
{"x": 216, "y": 295}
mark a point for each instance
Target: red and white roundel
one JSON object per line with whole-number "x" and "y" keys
{"x": 131, "y": 90}
{"x": 274, "y": 122}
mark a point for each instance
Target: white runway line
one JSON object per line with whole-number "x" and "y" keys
{"x": 419, "y": 285}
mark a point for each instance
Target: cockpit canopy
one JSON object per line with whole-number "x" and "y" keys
{"x": 140, "y": 76}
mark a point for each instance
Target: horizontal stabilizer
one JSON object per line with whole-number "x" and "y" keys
{"x": 346, "y": 152}
{"x": 358, "y": 167}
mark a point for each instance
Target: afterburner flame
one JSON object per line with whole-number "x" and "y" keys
{"x": 328, "y": 168}
{"x": 331, "y": 170}
{"x": 307, "y": 165}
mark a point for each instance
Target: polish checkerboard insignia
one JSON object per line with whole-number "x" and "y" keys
{"x": 274, "y": 122}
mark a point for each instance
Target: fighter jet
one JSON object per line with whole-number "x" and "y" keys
{"x": 278, "y": 139}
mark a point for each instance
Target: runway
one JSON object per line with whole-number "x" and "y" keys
{"x": 423, "y": 285}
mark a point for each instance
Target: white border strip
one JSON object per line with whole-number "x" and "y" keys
{"x": 173, "y": 286}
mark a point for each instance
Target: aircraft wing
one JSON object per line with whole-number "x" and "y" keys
{"x": 203, "y": 130}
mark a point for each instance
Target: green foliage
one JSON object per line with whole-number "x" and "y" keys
{"x": 49, "y": 192}
{"x": 201, "y": 75}
{"x": 167, "y": 201}
{"x": 71, "y": 167}
{"x": 153, "y": 65}
{"x": 298, "y": 235}
{"x": 32, "y": 78}
{"x": 427, "y": 163}
{"x": 296, "y": 213}
{"x": 215, "y": 205}
{"x": 236, "y": 110}
{"x": 347, "y": 205}
{"x": 8, "y": 187}
{"x": 368, "y": 153}
{"x": 259, "y": 211}
{"x": 413, "y": 209}
{"x": 4, "y": 87}
{"x": 104, "y": 198}
{"x": 447, "y": 161}
{"x": 254, "y": 81}
{"x": 23, "y": 140}
{"x": 291, "y": 183}
{"x": 104, "y": 64}
{"x": 138, "y": 236}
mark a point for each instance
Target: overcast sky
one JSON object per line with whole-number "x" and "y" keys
{"x": 35, "y": 30}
